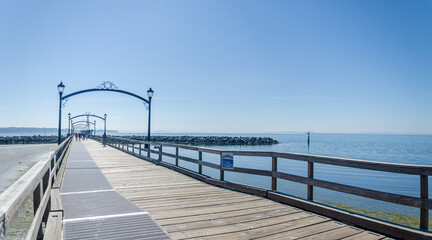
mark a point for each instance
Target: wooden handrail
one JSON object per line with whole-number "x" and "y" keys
{"x": 344, "y": 162}
{"x": 36, "y": 180}
{"x": 422, "y": 202}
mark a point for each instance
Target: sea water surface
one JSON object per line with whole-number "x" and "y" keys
{"x": 404, "y": 149}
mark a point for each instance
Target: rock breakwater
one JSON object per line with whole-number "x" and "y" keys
{"x": 28, "y": 139}
{"x": 209, "y": 140}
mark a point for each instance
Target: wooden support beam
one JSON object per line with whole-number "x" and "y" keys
{"x": 424, "y": 194}
{"x": 35, "y": 231}
{"x": 311, "y": 176}
{"x": 274, "y": 169}
{"x": 199, "y": 163}
{"x": 160, "y": 153}
{"x": 221, "y": 174}
{"x": 177, "y": 155}
{"x": 36, "y": 198}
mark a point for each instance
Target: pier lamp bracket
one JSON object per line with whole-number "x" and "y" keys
{"x": 63, "y": 102}
{"x": 146, "y": 105}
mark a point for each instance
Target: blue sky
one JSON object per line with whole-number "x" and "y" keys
{"x": 221, "y": 66}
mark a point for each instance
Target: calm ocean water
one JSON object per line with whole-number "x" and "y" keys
{"x": 406, "y": 149}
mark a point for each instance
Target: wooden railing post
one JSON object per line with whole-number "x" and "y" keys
{"x": 148, "y": 150}
{"x": 133, "y": 147}
{"x": 36, "y": 198}
{"x": 139, "y": 151}
{"x": 54, "y": 160}
{"x": 127, "y": 147}
{"x": 424, "y": 194}
{"x": 160, "y": 153}
{"x": 199, "y": 163}
{"x": 221, "y": 175}
{"x": 45, "y": 185}
{"x": 36, "y": 202}
{"x": 274, "y": 169}
{"x": 310, "y": 175}
{"x": 177, "y": 154}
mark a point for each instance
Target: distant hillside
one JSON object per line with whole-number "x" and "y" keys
{"x": 9, "y": 130}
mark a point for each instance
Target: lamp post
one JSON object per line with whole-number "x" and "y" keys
{"x": 69, "y": 123}
{"x": 88, "y": 123}
{"x": 149, "y": 95}
{"x": 104, "y": 137}
{"x": 105, "y": 116}
{"x": 60, "y": 88}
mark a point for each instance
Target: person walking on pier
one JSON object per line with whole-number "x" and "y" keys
{"x": 76, "y": 136}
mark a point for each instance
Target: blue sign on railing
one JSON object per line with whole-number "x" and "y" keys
{"x": 227, "y": 160}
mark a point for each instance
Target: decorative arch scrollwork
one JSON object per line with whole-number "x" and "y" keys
{"x": 107, "y": 85}
{"x": 63, "y": 102}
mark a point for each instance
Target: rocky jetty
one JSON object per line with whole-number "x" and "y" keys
{"x": 189, "y": 140}
{"x": 209, "y": 140}
{"x": 28, "y": 139}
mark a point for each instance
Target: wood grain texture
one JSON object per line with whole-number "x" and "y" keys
{"x": 13, "y": 198}
{"x": 56, "y": 202}
{"x": 54, "y": 227}
{"x": 188, "y": 208}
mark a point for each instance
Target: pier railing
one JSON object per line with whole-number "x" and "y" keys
{"x": 42, "y": 183}
{"x": 144, "y": 149}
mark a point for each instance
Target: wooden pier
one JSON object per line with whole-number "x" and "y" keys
{"x": 187, "y": 208}
{"x": 126, "y": 191}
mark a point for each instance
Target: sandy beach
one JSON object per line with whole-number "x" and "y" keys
{"x": 16, "y": 159}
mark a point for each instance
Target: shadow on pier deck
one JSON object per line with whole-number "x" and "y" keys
{"x": 182, "y": 206}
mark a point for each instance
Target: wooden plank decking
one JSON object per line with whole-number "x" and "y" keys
{"x": 187, "y": 208}
{"x": 92, "y": 209}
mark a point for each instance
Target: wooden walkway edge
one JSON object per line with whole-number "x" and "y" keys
{"x": 187, "y": 208}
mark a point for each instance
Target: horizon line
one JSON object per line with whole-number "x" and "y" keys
{"x": 265, "y": 132}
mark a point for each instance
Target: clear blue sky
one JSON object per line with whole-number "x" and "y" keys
{"x": 221, "y": 66}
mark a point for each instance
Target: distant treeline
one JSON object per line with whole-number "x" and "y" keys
{"x": 16, "y": 130}
{"x": 209, "y": 140}
{"x": 31, "y": 131}
{"x": 28, "y": 139}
